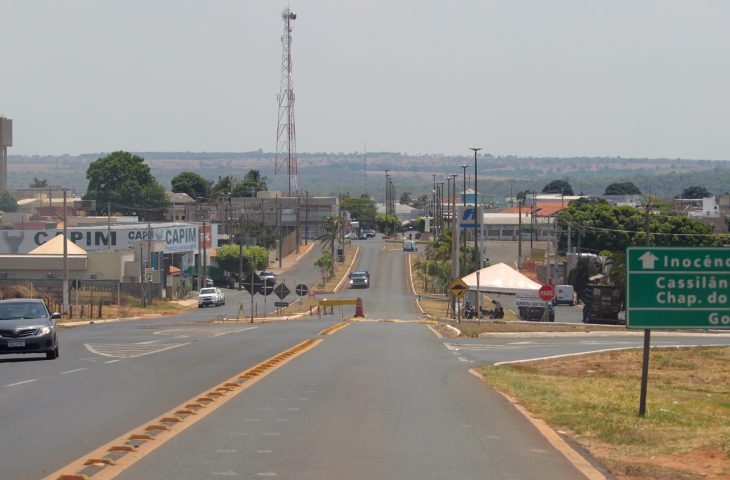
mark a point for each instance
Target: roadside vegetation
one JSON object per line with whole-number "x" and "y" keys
{"x": 594, "y": 400}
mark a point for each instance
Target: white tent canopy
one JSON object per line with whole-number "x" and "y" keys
{"x": 502, "y": 278}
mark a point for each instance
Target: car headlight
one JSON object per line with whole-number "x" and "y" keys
{"x": 44, "y": 330}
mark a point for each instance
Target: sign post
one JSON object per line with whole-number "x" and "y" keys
{"x": 458, "y": 288}
{"x": 547, "y": 292}
{"x": 677, "y": 288}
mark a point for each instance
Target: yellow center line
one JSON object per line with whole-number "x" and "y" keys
{"x": 113, "y": 458}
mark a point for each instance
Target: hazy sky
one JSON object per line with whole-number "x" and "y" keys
{"x": 630, "y": 78}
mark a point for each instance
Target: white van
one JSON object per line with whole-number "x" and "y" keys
{"x": 409, "y": 246}
{"x": 564, "y": 294}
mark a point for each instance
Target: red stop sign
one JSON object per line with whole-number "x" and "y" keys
{"x": 547, "y": 293}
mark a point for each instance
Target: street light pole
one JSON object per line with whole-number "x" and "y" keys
{"x": 387, "y": 192}
{"x": 463, "y": 231}
{"x": 306, "y": 215}
{"x": 433, "y": 204}
{"x": 476, "y": 211}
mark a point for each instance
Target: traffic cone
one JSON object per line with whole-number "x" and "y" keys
{"x": 358, "y": 308}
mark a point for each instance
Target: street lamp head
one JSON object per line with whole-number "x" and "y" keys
{"x": 475, "y": 149}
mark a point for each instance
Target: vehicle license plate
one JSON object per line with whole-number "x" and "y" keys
{"x": 16, "y": 343}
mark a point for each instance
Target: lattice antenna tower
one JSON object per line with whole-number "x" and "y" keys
{"x": 286, "y": 138}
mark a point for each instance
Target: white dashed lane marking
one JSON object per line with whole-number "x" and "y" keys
{"x": 72, "y": 371}
{"x": 21, "y": 382}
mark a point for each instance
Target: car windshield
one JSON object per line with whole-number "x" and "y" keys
{"x": 207, "y": 290}
{"x": 22, "y": 310}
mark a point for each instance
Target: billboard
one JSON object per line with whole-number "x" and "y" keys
{"x": 175, "y": 238}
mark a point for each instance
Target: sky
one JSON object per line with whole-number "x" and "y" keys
{"x": 565, "y": 78}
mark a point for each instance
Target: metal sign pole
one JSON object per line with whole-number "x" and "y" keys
{"x": 645, "y": 372}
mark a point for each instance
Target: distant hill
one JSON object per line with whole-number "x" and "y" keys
{"x": 358, "y": 173}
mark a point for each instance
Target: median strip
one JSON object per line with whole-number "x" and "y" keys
{"x": 118, "y": 455}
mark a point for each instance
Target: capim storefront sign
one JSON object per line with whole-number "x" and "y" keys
{"x": 176, "y": 238}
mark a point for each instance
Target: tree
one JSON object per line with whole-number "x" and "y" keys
{"x": 695, "y": 192}
{"x": 522, "y": 196}
{"x": 251, "y": 184}
{"x": 8, "y": 203}
{"x": 332, "y": 227}
{"x": 229, "y": 257}
{"x": 192, "y": 184}
{"x": 362, "y": 209}
{"x": 265, "y": 235}
{"x": 622, "y": 188}
{"x": 222, "y": 188}
{"x": 387, "y": 223}
{"x": 578, "y": 277}
{"x": 326, "y": 264}
{"x": 595, "y": 226}
{"x": 421, "y": 201}
{"x": 38, "y": 183}
{"x": 558, "y": 186}
{"x": 405, "y": 198}
{"x": 124, "y": 181}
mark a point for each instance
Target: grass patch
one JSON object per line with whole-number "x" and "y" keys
{"x": 595, "y": 398}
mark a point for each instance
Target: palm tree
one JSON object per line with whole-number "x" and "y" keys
{"x": 333, "y": 227}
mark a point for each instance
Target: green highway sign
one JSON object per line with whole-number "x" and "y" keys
{"x": 678, "y": 287}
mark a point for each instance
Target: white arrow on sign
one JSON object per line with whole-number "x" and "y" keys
{"x": 647, "y": 261}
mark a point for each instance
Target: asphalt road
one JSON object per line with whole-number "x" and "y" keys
{"x": 374, "y": 400}
{"x": 381, "y": 398}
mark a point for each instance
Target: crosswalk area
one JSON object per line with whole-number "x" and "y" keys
{"x": 213, "y": 331}
{"x": 149, "y": 347}
{"x": 130, "y": 350}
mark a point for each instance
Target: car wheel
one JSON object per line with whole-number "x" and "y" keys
{"x": 51, "y": 355}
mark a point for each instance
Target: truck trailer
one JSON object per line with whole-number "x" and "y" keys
{"x": 602, "y": 304}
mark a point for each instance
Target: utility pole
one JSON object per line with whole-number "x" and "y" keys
{"x": 306, "y": 215}
{"x": 463, "y": 231}
{"x": 477, "y": 253}
{"x": 240, "y": 254}
{"x": 65, "y": 255}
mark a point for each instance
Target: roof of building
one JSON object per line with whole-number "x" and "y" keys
{"x": 54, "y": 246}
{"x": 541, "y": 208}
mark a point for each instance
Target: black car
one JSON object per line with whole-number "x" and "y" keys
{"x": 27, "y": 326}
{"x": 359, "y": 279}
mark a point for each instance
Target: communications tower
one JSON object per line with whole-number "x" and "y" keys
{"x": 286, "y": 138}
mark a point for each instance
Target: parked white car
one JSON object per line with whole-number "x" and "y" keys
{"x": 211, "y": 297}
